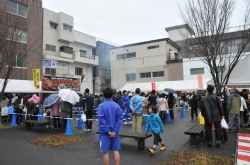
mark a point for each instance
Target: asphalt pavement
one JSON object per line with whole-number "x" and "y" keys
{"x": 16, "y": 149}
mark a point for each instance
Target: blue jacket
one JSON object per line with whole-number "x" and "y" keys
{"x": 109, "y": 116}
{"x": 126, "y": 100}
{"x": 136, "y": 103}
{"x": 154, "y": 123}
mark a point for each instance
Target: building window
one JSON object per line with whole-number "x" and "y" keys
{"x": 120, "y": 56}
{"x": 66, "y": 49}
{"x": 153, "y": 47}
{"x": 19, "y": 61}
{"x": 50, "y": 47}
{"x": 220, "y": 69}
{"x": 145, "y": 75}
{"x": 131, "y": 55}
{"x": 196, "y": 71}
{"x": 50, "y": 71}
{"x": 53, "y": 25}
{"x": 17, "y": 35}
{"x": 131, "y": 77}
{"x": 67, "y": 28}
{"x": 16, "y": 8}
{"x": 158, "y": 74}
{"x": 83, "y": 53}
{"x": 78, "y": 71}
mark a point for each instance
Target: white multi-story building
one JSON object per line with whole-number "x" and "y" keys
{"x": 150, "y": 61}
{"x": 67, "y": 53}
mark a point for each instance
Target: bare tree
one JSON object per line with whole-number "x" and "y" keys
{"x": 211, "y": 40}
{"x": 14, "y": 50}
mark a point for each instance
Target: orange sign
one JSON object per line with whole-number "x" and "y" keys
{"x": 153, "y": 86}
{"x": 200, "y": 83}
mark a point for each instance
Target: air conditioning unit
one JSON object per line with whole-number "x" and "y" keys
{"x": 172, "y": 55}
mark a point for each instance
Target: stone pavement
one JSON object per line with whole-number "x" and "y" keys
{"x": 16, "y": 149}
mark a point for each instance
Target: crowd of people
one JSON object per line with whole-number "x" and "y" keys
{"x": 115, "y": 109}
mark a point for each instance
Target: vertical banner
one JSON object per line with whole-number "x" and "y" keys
{"x": 153, "y": 86}
{"x": 36, "y": 78}
{"x": 200, "y": 81}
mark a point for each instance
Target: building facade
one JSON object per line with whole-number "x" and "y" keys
{"x": 193, "y": 66}
{"x": 27, "y": 16}
{"x": 102, "y": 72}
{"x": 67, "y": 53}
{"x": 150, "y": 61}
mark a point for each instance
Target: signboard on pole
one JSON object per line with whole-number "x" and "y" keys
{"x": 200, "y": 82}
{"x": 153, "y": 86}
{"x": 50, "y": 83}
{"x": 36, "y": 78}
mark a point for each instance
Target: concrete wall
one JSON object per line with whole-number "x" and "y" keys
{"x": 33, "y": 48}
{"x": 146, "y": 60}
{"x": 178, "y": 34}
{"x": 194, "y": 63}
{"x": 76, "y": 40}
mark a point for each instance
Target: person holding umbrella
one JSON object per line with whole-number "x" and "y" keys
{"x": 68, "y": 98}
{"x": 53, "y": 102}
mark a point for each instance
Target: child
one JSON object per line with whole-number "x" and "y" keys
{"x": 154, "y": 123}
{"x": 110, "y": 122}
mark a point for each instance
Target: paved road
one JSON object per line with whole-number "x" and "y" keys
{"x": 15, "y": 148}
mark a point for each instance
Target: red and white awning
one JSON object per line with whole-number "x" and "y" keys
{"x": 243, "y": 149}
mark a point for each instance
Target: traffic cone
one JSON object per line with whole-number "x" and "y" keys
{"x": 80, "y": 123}
{"x": 68, "y": 131}
{"x": 168, "y": 118}
{"x": 13, "y": 122}
{"x": 182, "y": 115}
{"x": 38, "y": 127}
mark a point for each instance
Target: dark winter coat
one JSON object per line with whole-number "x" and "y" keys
{"x": 117, "y": 99}
{"x": 17, "y": 105}
{"x": 194, "y": 103}
{"x": 88, "y": 102}
{"x": 211, "y": 108}
{"x": 32, "y": 108}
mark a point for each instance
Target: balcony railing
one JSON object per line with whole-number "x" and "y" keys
{"x": 78, "y": 54}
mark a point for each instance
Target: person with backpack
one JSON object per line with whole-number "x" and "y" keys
{"x": 233, "y": 107}
{"x": 88, "y": 104}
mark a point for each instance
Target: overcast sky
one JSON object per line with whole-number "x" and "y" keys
{"x": 125, "y": 21}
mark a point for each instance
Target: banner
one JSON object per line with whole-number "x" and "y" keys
{"x": 153, "y": 86}
{"x": 50, "y": 83}
{"x": 200, "y": 81}
{"x": 36, "y": 78}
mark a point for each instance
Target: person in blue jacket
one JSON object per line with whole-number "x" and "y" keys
{"x": 154, "y": 123}
{"x": 136, "y": 108}
{"x": 110, "y": 122}
{"x": 125, "y": 108}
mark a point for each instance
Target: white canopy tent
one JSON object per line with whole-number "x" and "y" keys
{"x": 145, "y": 87}
{"x": 20, "y": 86}
{"x": 240, "y": 76}
{"x": 184, "y": 85}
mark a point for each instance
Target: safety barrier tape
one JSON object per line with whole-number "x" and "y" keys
{"x": 47, "y": 116}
